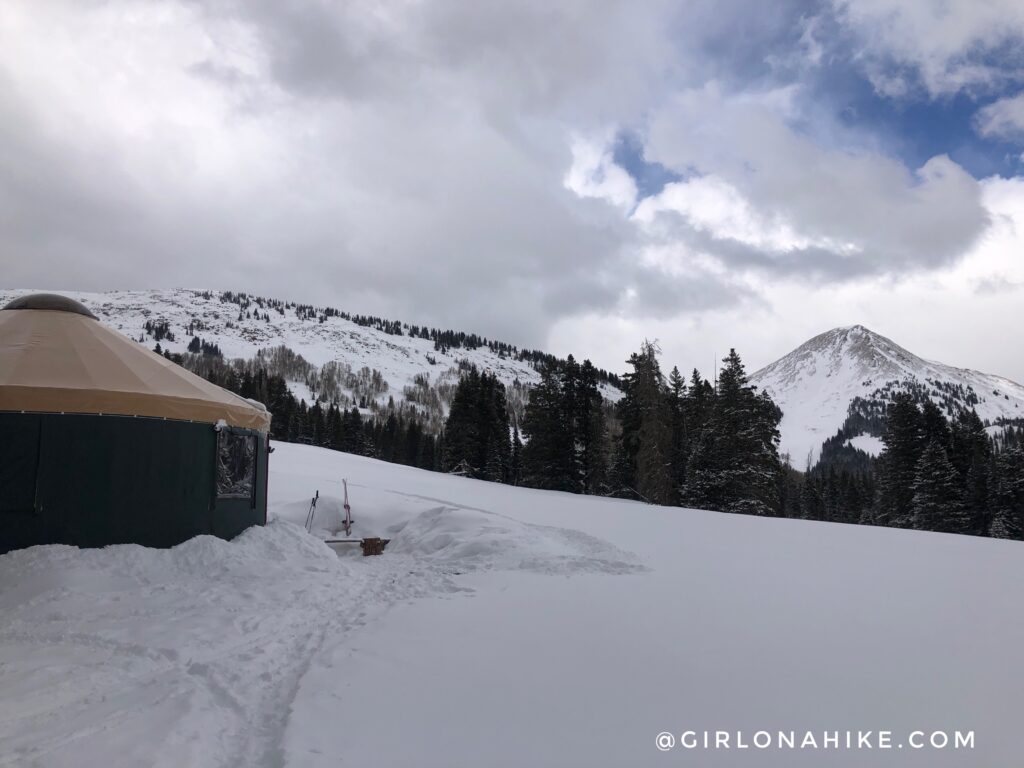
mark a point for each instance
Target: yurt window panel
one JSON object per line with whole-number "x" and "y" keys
{"x": 236, "y": 464}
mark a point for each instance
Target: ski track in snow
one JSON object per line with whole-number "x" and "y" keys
{"x": 193, "y": 656}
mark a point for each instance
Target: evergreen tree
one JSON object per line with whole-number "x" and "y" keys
{"x": 735, "y": 463}
{"x": 463, "y": 428}
{"x": 316, "y": 424}
{"x": 476, "y": 434}
{"x": 1008, "y": 495}
{"x": 547, "y": 456}
{"x": 971, "y": 456}
{"x": 937, "y": 504}
{"x": 626, "y": 444}
{"x": 589, "y": 430}
{"x": 934, "y": 426}
{"x": 653, "y": 456}
{"x": 897, "y": 466}
{"x": 697, "y": 405}
{"x": 811, "y": 505}
{"x": 516, "y": 461}
{"x": 790, "y": 493}
{"x": 677, "y": 425}
{"x": 852, "y": 498}
{"x": 352, "y": 436}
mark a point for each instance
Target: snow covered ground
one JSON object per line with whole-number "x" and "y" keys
{"x": 506, "y": 627}
{"x": 871, "y": 445}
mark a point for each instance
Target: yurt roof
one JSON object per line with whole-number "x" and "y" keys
{"x": 56, "y": 357}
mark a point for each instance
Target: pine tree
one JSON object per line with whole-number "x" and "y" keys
{"x": 897, "y": 465}
{"x": 811, "y": 506}
{"x": 316, "y": 424}
{"x": 1008, "y": 495}
{"x": 547, "y": 456}
{"x": 589, "y": 430}
{"x": 627, "y": 441}
{"x": 653, "y": 456}
{"x": 677, "y": 414}
{"x": 937, "y": 503}
{"x": 516, "y": 462}
{"x": 463, "y": 438}
{"x": 477, "y": 436}
{"x": 971, "y": 456}
{"x": 700, "y": 398}
{"x": 735, "y": 463}
{"x": 934, "y": 426}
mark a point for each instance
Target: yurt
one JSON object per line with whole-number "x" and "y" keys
{"x": 103, "y": 441}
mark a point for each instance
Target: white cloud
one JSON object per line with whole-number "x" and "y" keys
{"x": 943, "y": 43}
{"x": 860, "y": 212}
{"x": 1003, "y": 119}
{"x": 593, "y": 173}
{"x": 716, "y": 207}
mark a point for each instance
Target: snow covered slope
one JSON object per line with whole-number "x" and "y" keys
{"x": 815, "y": 384}
{"x": 399, "y": 358}
{"x": 506, "y": 627}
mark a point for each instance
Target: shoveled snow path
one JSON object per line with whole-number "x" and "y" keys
{"x": 125, "y": 668}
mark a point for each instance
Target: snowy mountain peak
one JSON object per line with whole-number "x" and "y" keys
{"x": 816, "y": 384}
{"x": 852, "y": 352}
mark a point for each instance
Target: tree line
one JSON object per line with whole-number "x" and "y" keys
{"x": 935, "y": 473}
{"x": 677, "y": 442}
{"x": 690, "y": 443}
{"x": 400, "y": 437}
{"x": 942, "y": 475}
{"x": 664, "y": 442}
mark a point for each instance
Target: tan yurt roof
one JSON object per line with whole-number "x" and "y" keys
{"x": 56, "y": 357}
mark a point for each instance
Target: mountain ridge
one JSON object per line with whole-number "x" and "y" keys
{"x": 359, "y": 360}
{"x": 837, "y": 380}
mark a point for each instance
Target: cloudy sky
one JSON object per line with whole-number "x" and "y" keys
{"x": 574, "y": 175}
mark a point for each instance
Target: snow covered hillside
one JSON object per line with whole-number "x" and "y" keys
{"x": 505, "y": 627}
{"x": 319, "y": 338}
{"x": 816, "y": 383}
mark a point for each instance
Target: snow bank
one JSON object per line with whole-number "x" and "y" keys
{"x": 476, "y": 540}
{"x": 134, "y": 656}
{"x": 59, "y": 571}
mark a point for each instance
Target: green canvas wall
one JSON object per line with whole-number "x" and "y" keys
{"x": 96, "y": 480}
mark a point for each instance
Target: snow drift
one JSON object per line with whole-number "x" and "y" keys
{"x": 474, "y": 539}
